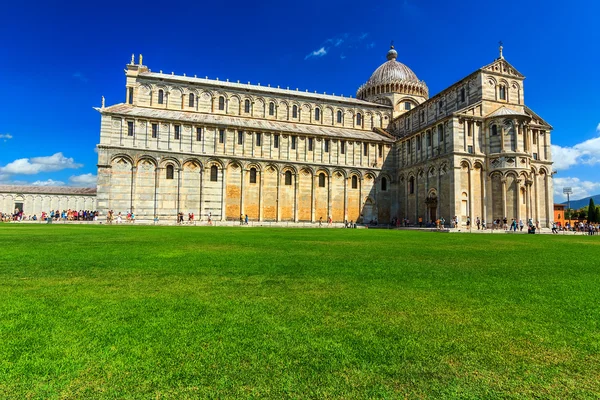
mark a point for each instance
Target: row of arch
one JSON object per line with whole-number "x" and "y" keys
{"x": 34, "y": 204}
{"x": 258, "y": 106}
{"x": 403, "y": 87}
{"x": 226, "y": 188}
{"x": 505, "y": 90}
{"x": 176, "y": 163}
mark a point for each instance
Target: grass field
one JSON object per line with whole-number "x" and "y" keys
{"x": 179, "y": 312}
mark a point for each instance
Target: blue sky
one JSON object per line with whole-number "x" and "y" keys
{"x": 58, "y": 58}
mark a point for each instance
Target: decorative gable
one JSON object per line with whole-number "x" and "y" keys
{"x": 502, "y": 67}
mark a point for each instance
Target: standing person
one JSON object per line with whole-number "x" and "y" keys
{"x": 119, "y": 218}
{"x": 468, "y": 222}
{"x": 132, "y": 217}
{"x": 241, "y": 219}
{"x": 513, "y": 225}
{"x": 478, "y": 222}
{"x": 320, "y": 221}
{"x": 210, "y": 218}
{"x": 521, "y": 225}
{"x": 246, "y": 219}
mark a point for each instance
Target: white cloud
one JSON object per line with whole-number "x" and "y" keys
{"x": 363, "y": 36}
{"x": 371, "y": 45}
{"x": 581, "y": 189}
{"x": 586, "y": 152}
{"x": 81, "y": 77}
{"x": 48, "y": 182}
{"x": 35, "y": 165}
{"x": 6, "y": 136}
{"x": 317, "y": 53}
{"x": 85, "y": 180}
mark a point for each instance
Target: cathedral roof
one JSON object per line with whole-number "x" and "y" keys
{"x": 392, "y": 71}
{"x": 32, "y": 189}
{"x": 252, "y": 124}
{"x": 392, "y": 77}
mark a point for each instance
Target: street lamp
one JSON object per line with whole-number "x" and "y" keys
{"x": 568, "y": 192}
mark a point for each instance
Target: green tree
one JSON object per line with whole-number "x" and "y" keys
{"x": 592, "y": 217}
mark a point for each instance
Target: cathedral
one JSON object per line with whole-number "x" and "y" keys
{"x": 222, "y": 149}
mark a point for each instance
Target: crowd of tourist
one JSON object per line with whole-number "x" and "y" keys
{"x": 52, "y": 216}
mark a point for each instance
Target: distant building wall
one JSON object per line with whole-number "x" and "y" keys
{"x": 32, "y": 200}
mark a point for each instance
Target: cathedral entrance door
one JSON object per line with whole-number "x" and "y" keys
{"x": 367, "y": 212}
{"x": 431, "y": 202}
{"x": 432, "y": 214}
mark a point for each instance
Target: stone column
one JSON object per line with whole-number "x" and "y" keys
{"x": 260, "y": 197}
{"x": 517, "y": 135}
{"x": 483, "y": 195}
{"x": 439, "y": 190}
{"x": 537, "y": 197}
{"x": 329, "y": 196}
{"x": 296, "y": 190}
{"x": 549, "y": 200}
{"x": 313, "y": 197}
{"x": 346, "y": 198}
{"x": 360, "y": 200}
{"x": 201, "y": 201}
{"x": 178, "y": 190}
{"x": 156, "y": 175}
{"x": 278, "y": 219}
{"x": 133, "y": 179}
{"x": 223, "y": 194}
{"x": 504, "y": 197}
{"x": 527, "y": 200}
{"x": 416, "y": 197}
{"x": 502, "y": 133}
{"x": 243, "y": 173}
{"x": 518, "y": 196}
{"x": 470, "y": 194}
{"x": 406, "y": 194}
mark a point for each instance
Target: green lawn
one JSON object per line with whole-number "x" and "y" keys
{"x": 187, "y": 312}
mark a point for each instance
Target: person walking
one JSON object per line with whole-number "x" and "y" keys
{"x": 521, "y": 225}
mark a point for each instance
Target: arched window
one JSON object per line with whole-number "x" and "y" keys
{"x": 502, "y": 92}
{"x": 191, "y": 100}
{"x": 161, "y": 96}
{"x": 359, "y": 119}
{"x": 170, "y": 171}
{"x": 247, "y": 106}
{"x": 252, "y": 175}
{"x": 383, "y": 184}
{"x": 214, "y": 173}
{"x": 494, "y": 130}
{"x": 271, "y": 108}
{"x": 411, "y": 185}
{"x": 354, "y": 182}
{"x": 295, "y": 111}
{"x": 339, "y": 117}
{"x": 221, "y": 103}
{"x": 317, "y": 114}
{"x": 288, "y": 178}
{"x": 407, "y": 105}
{"x": 321, "y": 180}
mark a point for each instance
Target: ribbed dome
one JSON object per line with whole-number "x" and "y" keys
{"x": 392, "y": 77}
{"x": 392, "y": 71}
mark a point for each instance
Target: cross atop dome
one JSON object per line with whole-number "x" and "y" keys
{"x": 392, "y": 54}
